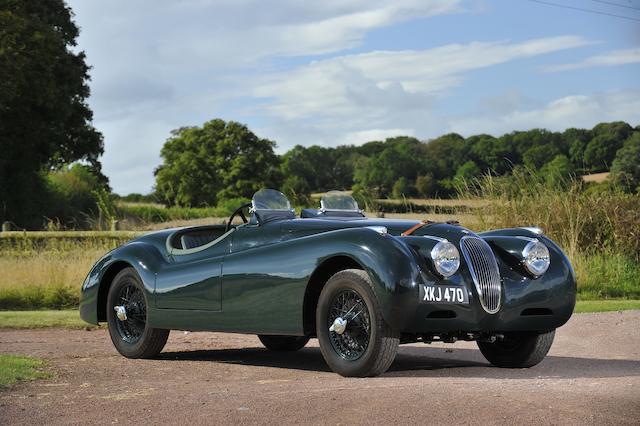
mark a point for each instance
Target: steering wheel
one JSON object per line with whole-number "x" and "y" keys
{"x": 238, "y": 212}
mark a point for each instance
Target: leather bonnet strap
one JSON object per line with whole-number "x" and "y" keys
{"x": 415, "y": 227}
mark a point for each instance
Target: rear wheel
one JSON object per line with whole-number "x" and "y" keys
{"x": 518, "y": 349}
{"x": 127, "y": 318}
{"x": 283, "y": 343}
{"x": 354, "y": 338}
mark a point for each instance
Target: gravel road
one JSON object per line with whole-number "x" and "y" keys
{"x": 592, "y": 376}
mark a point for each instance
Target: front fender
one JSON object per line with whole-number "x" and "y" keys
{"x": 143, "y": 257}
{"x": 390, "y": 263}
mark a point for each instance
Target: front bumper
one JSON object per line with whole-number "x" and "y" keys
{"x": 527, "y": 304}
{"x": 523, "y": 309}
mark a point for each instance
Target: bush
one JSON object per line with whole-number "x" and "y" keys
{"x": 71, "y": 196}
{"x": 599, "y": 230}
{"x": 226, "y": 207}
{"x": 580, "y": 221}
{"x": 156, "y": 214}
{"x": 606, "y": 275}
{"x": 39, "y": 297}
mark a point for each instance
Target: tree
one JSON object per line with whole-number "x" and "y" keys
{"x": 558, "y": 172}
{"x": 626, "y": 166}
{"x": 401, "y": 188}
{"x": 314, "y": 165}
{"x": 601, "y": 151}
{"x": 426, "y": 186}
{"x": 399, "y": 158}
{"x": 45, "y": 121}
{"x": 577, "y": 140}
{"x": 297, "y": 190}
{"x": 491, "y": 154}
{"x": 220, "y": 160}
{"x": 443, "y": 155}
{"x": 467, "y": 172}
{"x": 537, "y": 156}
{"x": 618, "y": 130}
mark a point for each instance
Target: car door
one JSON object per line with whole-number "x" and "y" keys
{"x": 193, "y": 279}
{"x": 264, "y": 283}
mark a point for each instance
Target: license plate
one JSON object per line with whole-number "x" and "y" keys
{"x": 443, "y": 294}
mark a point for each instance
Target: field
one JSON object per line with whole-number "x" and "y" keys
{"x": 44, "y": 270}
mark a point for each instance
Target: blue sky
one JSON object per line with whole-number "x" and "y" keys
{"x": 346, "y": 72}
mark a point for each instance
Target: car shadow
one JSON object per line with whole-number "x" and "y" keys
{"x": 422, "y": 362}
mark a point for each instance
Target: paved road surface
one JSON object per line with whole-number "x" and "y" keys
{"x": 591, "y": 376}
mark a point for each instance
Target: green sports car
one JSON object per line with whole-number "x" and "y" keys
{"x": 361, "y": 286}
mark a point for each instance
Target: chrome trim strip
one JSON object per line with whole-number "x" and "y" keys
{"x": 180, "y": 252}
{"x": 533, "y": 229}
{"x": 438, "y": 239}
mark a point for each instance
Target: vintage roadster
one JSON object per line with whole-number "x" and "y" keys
{"x": 361, "y": 286}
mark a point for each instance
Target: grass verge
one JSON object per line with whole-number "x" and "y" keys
{"x": 42, "y": 319}
{"x": 71, "y": 319}
{"x": 14, "y": 368}
{"x": 584, "y": 306}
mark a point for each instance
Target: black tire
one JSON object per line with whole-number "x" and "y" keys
{"x": 518, "y": 349}
{"x": 135, "y": 339}
{"x": 283, "y": 343}
{"x": 382, "y": 342}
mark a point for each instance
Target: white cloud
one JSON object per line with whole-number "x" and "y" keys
{"x": 583, "y": 111}
{"x": 369, "y": 85}
{"x": 192, "y": 34}
{"x": 166, "y": 64}
{"x": 362, "y": 136}
{"x": 615, "y": 57}
{"x": 172, "y": 63}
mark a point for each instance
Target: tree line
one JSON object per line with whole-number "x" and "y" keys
{"x": 222, "y": 160}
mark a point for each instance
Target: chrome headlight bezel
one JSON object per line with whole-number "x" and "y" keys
{"x": 536, "y": 258}
{"x": 446, "y": 258}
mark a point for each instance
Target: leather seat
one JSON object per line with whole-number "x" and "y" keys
{"x": 193, "y": 240}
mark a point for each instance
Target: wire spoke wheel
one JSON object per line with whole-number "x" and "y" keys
{"x": 353, "y": 342}
{"x": 132, "y": 328}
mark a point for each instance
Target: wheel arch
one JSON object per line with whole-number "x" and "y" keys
{"x": 105, "y": 283}
{"x": 318, "y": 279}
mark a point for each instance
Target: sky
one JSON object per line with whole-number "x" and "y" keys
{"x": 341, "y": 72}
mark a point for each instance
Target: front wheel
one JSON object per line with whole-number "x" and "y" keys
{"x": 127, "y": 318}
{"x": 283, "y": 343}
{"x": 355, "y": 341}
{"x": 518, "y": 349}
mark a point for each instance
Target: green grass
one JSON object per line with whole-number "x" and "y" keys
{"x": 71, "y": 318}
{"x": 14, "y": 368}
{"x": 606, "y": 275}
{"x": 42, "y": 319}
{"x": 584, "y": 306}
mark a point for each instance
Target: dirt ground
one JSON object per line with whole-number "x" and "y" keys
{"x": 592, "y": 376}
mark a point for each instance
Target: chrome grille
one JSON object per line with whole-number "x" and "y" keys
{"x": 484, "y": 271}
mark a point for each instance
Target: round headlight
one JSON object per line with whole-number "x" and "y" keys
{"x": 536, "y": 258}
{"x": 446, "y": 258}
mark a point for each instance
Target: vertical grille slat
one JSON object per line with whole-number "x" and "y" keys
{"x": 484, "y": 272}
